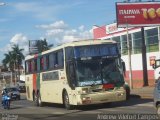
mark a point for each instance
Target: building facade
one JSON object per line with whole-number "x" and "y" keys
{"x": 152, "y": 42}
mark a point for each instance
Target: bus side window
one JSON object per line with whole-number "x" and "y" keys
{"x": 35, "y": 65}
{"x": 26, "y": 67}
{"x": 30, "y": 67}
{"x": 38, "y": 64}
{"x": 60, "y": 58}
{"x": 41, "y": 63}
{"x": 47, "y": 62}
{"x": 51, "y": 61}
{"x": 55, "y": 60}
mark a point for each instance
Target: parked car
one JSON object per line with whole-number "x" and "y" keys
{"x": 14, "y": 93}
{"x": 157, "y": 96}
{"x": 22, "y": 89}
{"x": 21, "y": 86}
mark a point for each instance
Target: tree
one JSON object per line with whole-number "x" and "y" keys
{"x": 42, "y": 45}
{"x": 38, "y": 46}
{"x": 8, "y": 61}
{"x": 17, "y": 55}
{"x": 13, "y": 59}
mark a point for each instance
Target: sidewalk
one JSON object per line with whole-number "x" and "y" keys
{"x": 144, "y": 92}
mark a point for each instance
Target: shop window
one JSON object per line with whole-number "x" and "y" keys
{"x": 151, "y": 37}
{"x": 137, "y": 42}
{"x": 124, "y": 45}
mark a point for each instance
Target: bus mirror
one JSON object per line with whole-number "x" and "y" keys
{"x": 124, "y": 66}
{"x": 154, "y": 66}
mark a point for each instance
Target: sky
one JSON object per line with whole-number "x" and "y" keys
{"x": 58, "y": 21}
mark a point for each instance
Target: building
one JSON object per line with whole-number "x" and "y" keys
{"x": 152, "y": 42}
{"x": 9, "y": 78}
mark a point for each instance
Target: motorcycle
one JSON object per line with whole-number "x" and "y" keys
{"x": 6, "y": 99}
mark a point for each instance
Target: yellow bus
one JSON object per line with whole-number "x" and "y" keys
{"x": 76, "y": 73}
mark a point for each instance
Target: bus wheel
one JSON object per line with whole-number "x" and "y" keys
{"x": 39, "y": 101}
{"x": 66, "y": 101}
{"x": 35, "y": 100}
{"x": 158, "y": 110}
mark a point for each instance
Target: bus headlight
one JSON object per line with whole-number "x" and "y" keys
{"x": 86, "y": 100}
{"x": 85, "y": 90}
{"x": 120, "y": 94}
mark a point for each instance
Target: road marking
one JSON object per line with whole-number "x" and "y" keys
{"x": 149, "y": 104}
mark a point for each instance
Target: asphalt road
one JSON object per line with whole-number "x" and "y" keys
{"x": 25, "y": 110}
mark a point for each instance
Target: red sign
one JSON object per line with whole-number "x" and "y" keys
{"x": 138, "y": 14}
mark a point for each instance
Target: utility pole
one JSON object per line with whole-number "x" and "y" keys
{"x": 129, "y": 60}
{"x": 144, "y": 61}
{"x": 129, "y": 56}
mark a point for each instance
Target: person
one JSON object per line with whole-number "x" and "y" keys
{"x": 4, "y": 92}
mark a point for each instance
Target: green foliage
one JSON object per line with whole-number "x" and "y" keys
{"x": 42, "y": 45}
{"x": 13, "y": 59}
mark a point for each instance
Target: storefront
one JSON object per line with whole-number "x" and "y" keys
{"x": 111, "y": 32}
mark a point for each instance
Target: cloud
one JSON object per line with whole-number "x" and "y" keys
{"x": 41, "y": 10}
{"x": 18, "y": 38}
{"x": 81, "y": 27}
{"x": 60, "y": 32}
{"x": 21, "y": 40}
{"x": 56, "y": 25}
{"x": 45, "y": 10}
{"x": 36, "y": 10}
{"x": 56, "y": 33}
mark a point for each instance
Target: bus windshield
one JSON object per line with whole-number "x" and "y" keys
{"x": 96, "y": 50}
{"x": 88, "y": 72}
{"x": 100, "y": 71}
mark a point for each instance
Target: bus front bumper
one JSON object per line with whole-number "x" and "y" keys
{"x": 101, "y": 97}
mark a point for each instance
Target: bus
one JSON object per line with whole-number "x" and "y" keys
{"x": 76, "y": 73}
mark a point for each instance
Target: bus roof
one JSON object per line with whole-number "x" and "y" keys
{"x": 73, "y": 43}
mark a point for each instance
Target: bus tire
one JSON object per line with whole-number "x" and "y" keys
{"x": 35, "y": 100}
{"x": 39, "y": 101}
{"x": 108, "y": 104}
{"x": 66, "y": 101}
{"x": 127, "y": 93}
{"x": 158, "y": 110}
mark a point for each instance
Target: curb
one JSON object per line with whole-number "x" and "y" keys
{"x": 141, "y": 96}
